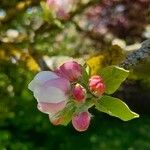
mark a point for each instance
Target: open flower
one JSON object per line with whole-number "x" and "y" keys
{"x": 50, "y": 90}
{"x": 81, "y": 121}
{"x": 70, "y": 70}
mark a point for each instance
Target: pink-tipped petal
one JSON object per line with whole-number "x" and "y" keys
{"x": 51, "y": 108}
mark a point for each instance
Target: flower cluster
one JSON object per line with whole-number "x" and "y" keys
{"x": 53, "y": 90}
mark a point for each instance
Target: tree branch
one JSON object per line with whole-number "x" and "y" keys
{"x": 37, "y": 58}
{"x": 135, "y": 57}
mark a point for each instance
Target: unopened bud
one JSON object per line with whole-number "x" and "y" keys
{"x": 97, "y": 85}
{"x": 81, "y": 121}
{"x": 79, "y": 93}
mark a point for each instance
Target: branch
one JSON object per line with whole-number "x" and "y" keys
{"x": 135, "y": 57}
{"x": 38, "y": 59}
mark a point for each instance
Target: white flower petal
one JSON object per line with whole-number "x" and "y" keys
{"x": 43, "y": 76}
{"x": 31, "y": 85}
{"x": 49, "y": 94}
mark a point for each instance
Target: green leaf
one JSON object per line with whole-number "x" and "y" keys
{"x": 115, "y": 107}
{"x": 86, "y": 74}
{"x": 66, "y": 113}
{"x": 88, "y": 70}
{"x": 113, "y": 76}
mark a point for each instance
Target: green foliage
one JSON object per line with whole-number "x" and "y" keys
{"x": 113, "y": 77}
{"x": 115, "y": 107}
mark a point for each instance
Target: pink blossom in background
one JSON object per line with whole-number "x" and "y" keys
{"x": 50, "y": 90}
{"x": 97, "y": 85}
{"x": 81, "y": 121}
{"x": 79, "y": 93}
{"x": 70, "y": 70}
{"x": 61, "y": 7}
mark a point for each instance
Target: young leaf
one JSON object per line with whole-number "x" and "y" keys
{"x": 86, "y": 74}
{"x": 113, "y": 77}
{"x": 88, "y": 70}
{"x": 115, "y": 107}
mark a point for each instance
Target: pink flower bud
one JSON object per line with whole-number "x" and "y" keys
{"x": 70, "y": 70}
{"x": 50, "y": 90}
{"x": 81, "y": 121}
{"x": 79, "y": 93}
{"x": 97, "y": 85}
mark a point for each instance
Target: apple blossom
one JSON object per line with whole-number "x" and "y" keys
{"x": 50, "y": 90}
{"x": 81, "y": 121}
{"x": 70, "y": 70}
{"x": 62, "y": 94}
{"x": 97, "y": 85}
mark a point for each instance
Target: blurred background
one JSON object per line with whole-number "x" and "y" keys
{"x": 34, "y": 36}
